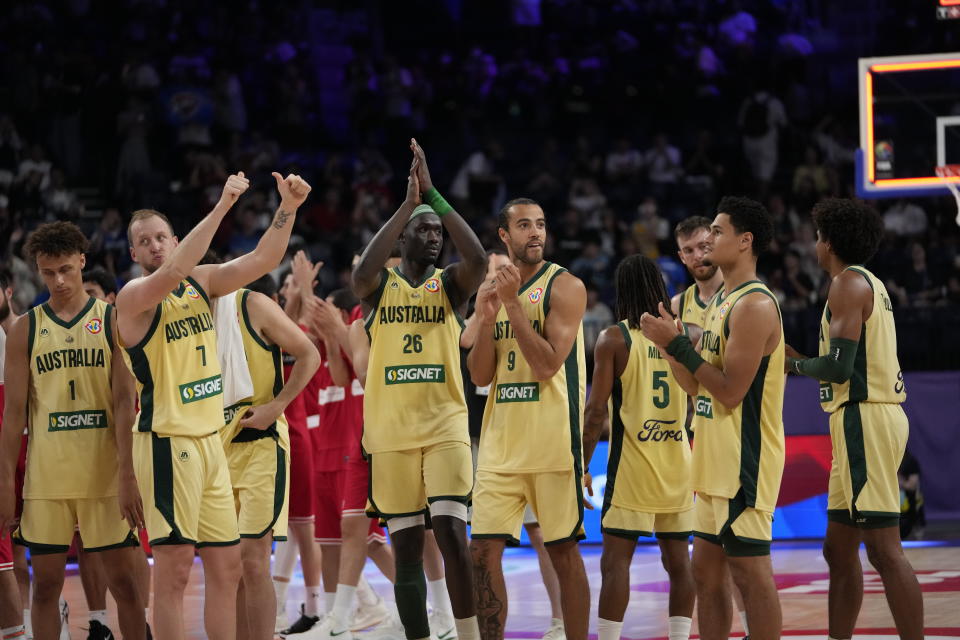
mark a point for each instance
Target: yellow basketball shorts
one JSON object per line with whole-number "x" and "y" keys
{"x": 404, "y": 483}
{"x": 185, "y": 486}
{"x": 555, "y": 497}
{"x": 869, "y": 439}
{"x": 630, "y": 524}
{"x": 260, "y": 475}
{"x": 729, "y": 522}
{"x": 47, "y": 526}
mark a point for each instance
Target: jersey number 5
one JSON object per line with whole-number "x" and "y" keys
{"x": 661, "y": 399}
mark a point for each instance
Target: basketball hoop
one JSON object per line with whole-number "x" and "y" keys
{"x": 949, "y": 175}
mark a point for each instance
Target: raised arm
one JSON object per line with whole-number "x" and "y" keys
{"x": 482, "y": 359}
{"x": 221, "y": 279}
{"x": 270, "y": 320}
{"x": 545, "y": 354}
{"x": 359, "y": 349}
{"x": 365, "y": 278}
{"x": 330, "y": 325}
{"x": 142, "y": 294}
{"x": 124, "y": 393}
{"x": 850, "y": 302}
{"x": 16, "y": 365}
{"x": 466, "y": 275}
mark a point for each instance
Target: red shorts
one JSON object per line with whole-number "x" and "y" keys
{"x": 6, "y": 553}
{"x": 302, "y": 491}
{"x": 356, "y": 481}
{"x": 328, "y": 487}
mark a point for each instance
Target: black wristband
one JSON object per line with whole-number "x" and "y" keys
{"x": 684, "y": 352}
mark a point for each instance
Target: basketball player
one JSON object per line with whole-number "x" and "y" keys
{"x": 100, "y": 284}
{"x": 648, "y": 473}
{"x": 862, "y": 390}
{"x": 11, "y": 606}
{"x": 693, "y": 241}
{"x": 415, "y": 415}
{"x": 529, "y": 349}
{"x": 257, "y": 444}
{"x": 164, "y": 322}
{"x": 77, "y": 399}
{"x": 738, "y": 457}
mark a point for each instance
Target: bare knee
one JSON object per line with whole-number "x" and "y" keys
{"x": 486, "y": 551}
{"x": 47, "y": 587}
{"x": 255, "y": 557}
{"x": 883, "y": 557}
{"x": 565, "y": 556}
{"x": 840, "y": 556}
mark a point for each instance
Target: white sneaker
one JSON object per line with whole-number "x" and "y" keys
{"x": 555, "y": 632}
{"x": 64, "y": 620}
{"x": 369, "y": 615}
{"x": 442, "y": 626}
{"x": 389, "y": 630}
{"x": 328, "y": 628}
{"x": 282, "y": 622}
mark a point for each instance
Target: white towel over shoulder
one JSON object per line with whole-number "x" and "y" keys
{"x": 237, "y": 382}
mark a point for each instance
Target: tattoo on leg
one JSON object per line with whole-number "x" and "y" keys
{"x": 280, "y": 220}
{"x": 489, "y": 606}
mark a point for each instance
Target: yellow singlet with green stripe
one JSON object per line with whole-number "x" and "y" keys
{"x": 265, "y": 362}
{"x": 530, "y": 426}
{"x": 693, "y": 310}
{"x": 649, "y": 465}
{"x": 876, "y": 369}
{"x": 742, "y": 447}
{"x": 414, "y": 392}
{"x": 176, "y": 367}
{"x": 72, "y": 451}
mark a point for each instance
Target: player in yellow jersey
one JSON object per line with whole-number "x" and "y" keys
{"x": 77, "y": 398}
{"x": 415, "y": 415}
{"x": 862, "y": 390}
{"x": 165, "y": 324}
{"x": 529, "y": 349}
{"x": 693, "y": 241}
{"x": 736, "y": 377}
{"x": 257, "y": 444}
{"x": 648, "y": 473}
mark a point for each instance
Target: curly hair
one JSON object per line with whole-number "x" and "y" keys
{"x": 749, "y": 215}
{"x": 852, "y": 228}
{"x": 56, "y": 239}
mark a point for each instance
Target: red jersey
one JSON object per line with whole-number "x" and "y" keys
{"x": 335, "y": 428}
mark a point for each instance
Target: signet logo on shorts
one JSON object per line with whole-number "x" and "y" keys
{"x": 415, "y": 373}
{"x": 201, "y": 389}
{"x": 518, "y": 392}
{"x": 703, "y": 406}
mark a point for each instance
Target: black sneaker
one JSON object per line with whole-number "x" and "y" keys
{"x": 303, "y": 624}
{"x": 99, "y": 631}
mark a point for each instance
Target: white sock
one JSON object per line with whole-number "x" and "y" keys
{"x": 329, "y": 598}
{"x": 344, "y": 604}
{"x": 467, "y": 628}
{"x": 366, "y": 596}
{"x": 556, "y": 622}
{"x": 99, "y": 616}
{"x": 285, "y": 558}
{"x": 27, "y": 622}
{"x": 679, "y": 627}
{"x": 743, "y": 621}
{"x": 13, "y": 632}
{"x": 312, "y": 605}
{"x": 608, "y": 629}
{"x": 439, "y": 597}
{"x": 280, "y": 589}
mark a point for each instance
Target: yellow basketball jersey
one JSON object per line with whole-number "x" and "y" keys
{"x": 742, "y": 447}
{"x": 176, "y": 367}
{"x": 71, "y": 451}
{"x": 414, "y": 392}
{"x": 530, "y": 426}
{"x": 265, "y": 362}
{"x": 876, "y": 370}
{"x": 649, "y": 465}
{"x": 693, "y": 310}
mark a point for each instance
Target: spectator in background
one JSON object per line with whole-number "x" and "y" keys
{"x": 663, "y": 166}
{"x": 246, "y": 233}
{"x": 596, "y": 318}
{"x": 10, "y": 147}
{"x": 914, "y": 284}
{"x": 913, "y": 519}
{"x": 650, "y": 229}
{"x": 905, "y": 218}
{"x": 592, "y": 265}
{"x": 588, "y": 201}
{"x": 799, "y": 289}
{"x": 760, "y": 119}
{"x": 811, "y": 170}
{"x": 478, "y": 182}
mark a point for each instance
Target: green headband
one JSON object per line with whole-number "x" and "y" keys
{"x": 420, "y": 210}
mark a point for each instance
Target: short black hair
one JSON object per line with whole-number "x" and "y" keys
{"x": 265, "y": 284}
{"x": 343, "y": 299}
{"x": 6, "y": 276}
{"x": 639, "y": 289}
{"x": 56, "y": 239}
{"x": 503, "y": 219}
{"x": 100, "y": 276}
{"x": 749, "y": 215}
{"x": 211, "y": 257}
{"x": 853, "y": 229}
{"x": 687, "y": 226}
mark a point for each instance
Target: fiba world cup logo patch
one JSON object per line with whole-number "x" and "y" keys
{"x": 723, "y": 309}
{"x": 535, "y": 295}
{"x": 192, "y": 292}
{"x": 95, "y": 326}
{"x": 432, "y": 285}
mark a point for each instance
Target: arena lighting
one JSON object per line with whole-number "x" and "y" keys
{"x": 923, "y": 65}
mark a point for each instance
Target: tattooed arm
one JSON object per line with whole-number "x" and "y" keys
{"x": 221, "y": 279}
{"x": 490, "y": 586}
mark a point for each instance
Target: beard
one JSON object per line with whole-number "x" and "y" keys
{"x": 698, "y": 275}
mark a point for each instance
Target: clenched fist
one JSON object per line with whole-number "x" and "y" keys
{"x": 234, "y": 188}
{"x": 293, "y": 190}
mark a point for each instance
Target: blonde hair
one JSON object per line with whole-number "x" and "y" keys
{"x": 145, "y": 214}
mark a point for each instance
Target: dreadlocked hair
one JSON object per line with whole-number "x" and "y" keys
{"x": 640, "y": 289}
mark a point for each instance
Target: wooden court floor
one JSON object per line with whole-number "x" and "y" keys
{"x": 801, "y": 578}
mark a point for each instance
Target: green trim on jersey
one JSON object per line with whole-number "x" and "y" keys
{"x": 68, "y": 324}
{"x": 415, "y": 285}
{"x": 617, "y": 431}
{"x": 526, "y": 285}
{"x": 750, "y": 434}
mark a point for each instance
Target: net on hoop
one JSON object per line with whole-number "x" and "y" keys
{"x": 949, "y": 175}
